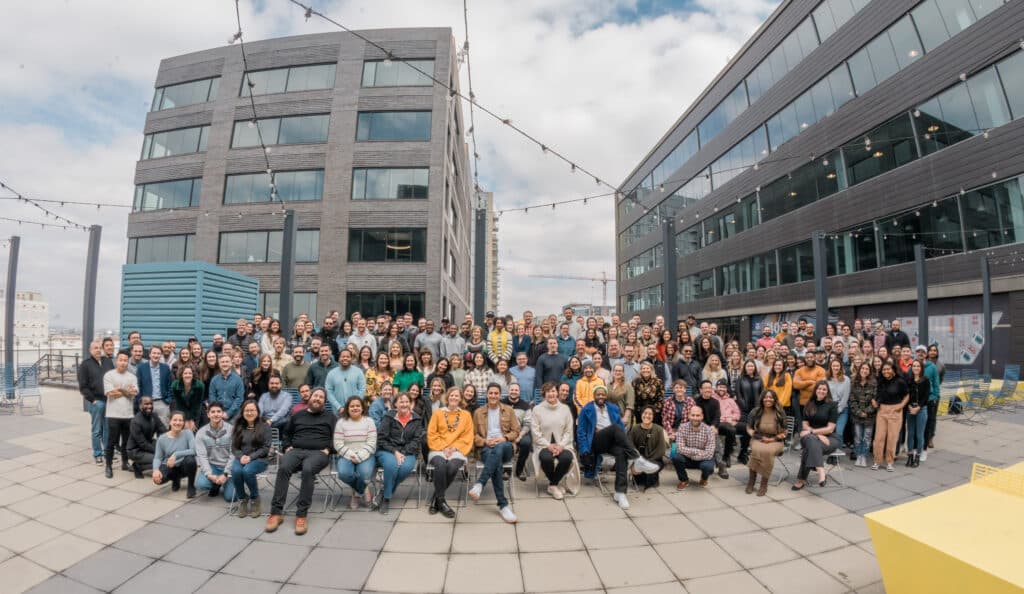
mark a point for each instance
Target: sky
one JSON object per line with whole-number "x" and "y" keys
{"x": 598, "y": 80}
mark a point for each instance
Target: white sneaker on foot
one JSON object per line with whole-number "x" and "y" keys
{"x": 555, "y": 492}
{"x": 507, "y": 515}
{"x": 474, "y": 493}
{"x": 924, "y": 455}
{"x": 645, "y": 466}
{"x": 874, "y": 466}
{"x": 621, "y": 499}
{"x": 890, "y": 468}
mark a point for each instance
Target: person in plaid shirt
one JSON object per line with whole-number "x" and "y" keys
{"x": 695, "y": 448}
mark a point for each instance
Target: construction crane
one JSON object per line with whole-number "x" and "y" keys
{"x": 603, "y": 279}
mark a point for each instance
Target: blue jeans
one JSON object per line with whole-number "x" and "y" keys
{"x": 915, "y": 430}
{"x": 227, "y": 490}
{"x": 393, "y": 473}
{"x": 841, "y": 424}
{"x": 97, "y": 418}
{"x": 243, "y": 476}
{"x": 862, "y": 435}
{"x": 493, "y": 458}
{"x": 681, "y": 463}
{"x": 354, "y": 475}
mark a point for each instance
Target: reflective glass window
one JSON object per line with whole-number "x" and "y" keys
{"x": 988, "y": 99}
{"x": 175, "y": 142}
{"x": 644, "y": 263}
{"x": 905, "y": 43}
{"x": 930, "y": 24}
{"x": 852, "y": 251}
{"x": 1011, "y": 73}
{"x": 393, "y": 126}
{"x": 688, "y": 241}
{"x": 372, "y": 304}
{"x": 861, "y": 72}
{"x": 189, "y": 93}
{"x": 389, "y": 184}
{"x": 891, "y": 145}
{"x": 294, "y": 78}
{"x": 936, "y": 227}
{"x": 163, "y": 248}
{"x": 387, "y": 245}
{"x": 270, "y": 304}
{"x": 796, "y": 263}
{"x": 292, "y": 186}
{"x": 257, "y": 247}
{"x": 764, "y": 271}
{"x": 648, "y": 298}
{"x": 993, "y": 215}
{"x": 181, "y": 193}
{"x": 303, "y": 129}
{"x": 406, "y": 73}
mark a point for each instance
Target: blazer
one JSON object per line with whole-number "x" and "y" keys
{"x": 507, "y": 420}
{"x": 146, "y": 381}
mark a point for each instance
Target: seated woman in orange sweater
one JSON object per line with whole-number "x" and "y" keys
{"x": 449, "y": 439}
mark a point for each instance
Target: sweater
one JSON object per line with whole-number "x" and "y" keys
{"x": 784, "y": 392}
{"x": 341, "y": 384}
{"x": 549, "y": 368}
{"x": 275, "y": 408}
{"x": 143, "y": 432}
{"x": 255, "y": 441}
{"x": 355, "y": 438}
{"x": 316, "y": 375}
{"x": 307, "y": 430}
{"x": 840, "y": 392}
{"x": 551, "y": 424}
{"x": 191, "y": 402}
{"x": 167, "y": 445}
{"x": 651, "y": 443}
{"x": 450, "y": 429}
{"x": 403, "y": 379}
{"x": 804, "y": 379}
{"x": 213, "y": 446}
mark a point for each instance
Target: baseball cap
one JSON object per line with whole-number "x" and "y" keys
{"x": 489, "y": 314}
{"x": 921, "y": 347}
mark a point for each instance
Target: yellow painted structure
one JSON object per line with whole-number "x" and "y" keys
{"x": 966, "y": 540}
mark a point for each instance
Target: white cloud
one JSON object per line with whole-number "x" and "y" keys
{"x": 597, "y": 87}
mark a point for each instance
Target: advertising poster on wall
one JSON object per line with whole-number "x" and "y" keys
{"x": 774, "y": 320}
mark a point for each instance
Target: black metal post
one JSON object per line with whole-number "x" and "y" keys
{"x": 986, "y": 308}
{"x": 921, "y": 272}
{"x": 479, "y": 263}
{"x": 288, "y": 271}
{"x": 92, "y": 264}
{"x": 820, "y": 283}
{"x": 670, "y": 290}
{"x": 10, "y": 371}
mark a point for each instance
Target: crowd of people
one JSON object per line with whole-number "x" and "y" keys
{"x": 571, "y": 397}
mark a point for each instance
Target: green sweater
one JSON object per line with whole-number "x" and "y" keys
{"x": 403, "y": 379}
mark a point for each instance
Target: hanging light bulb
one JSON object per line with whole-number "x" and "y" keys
{"x": 963, "y": 76}
{"x": 935, "y": 203}
{"x": 543, "y": 149}
{"x": 252, "y": 123}
{"x": 267, "y": 149}
{"x": 917, "y": 113}
{"x": 387, "y": 59}
{"x": 661, "y": 187}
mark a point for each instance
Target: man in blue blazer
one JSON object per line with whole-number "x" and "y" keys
{"x": 155, "y": 381}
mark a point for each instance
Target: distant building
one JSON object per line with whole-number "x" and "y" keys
{"x": 492, "y": 286}
{"x": 31, "y": 319}
{"x": 589, "y": 309}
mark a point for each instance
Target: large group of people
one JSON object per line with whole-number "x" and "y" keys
{"x": 381, "y": 398}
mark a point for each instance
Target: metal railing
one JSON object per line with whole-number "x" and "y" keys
{"x": 58, "y": 370}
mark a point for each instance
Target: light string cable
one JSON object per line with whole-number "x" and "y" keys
{"x": 573, "y": 165}
{"x": 36, "y": 203}
{"x": 472, "y": 95}
{"x": 44, "y": 225}
{"x": 251, "y": 86}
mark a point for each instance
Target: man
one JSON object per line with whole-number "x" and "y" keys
{"x": 880, "y": 337}
{"x": 120, "y": 387}
{"x": 344, "y": 381}
{"x": 155, "y": 380}
{"x": 675, "y": 409}
{"x": 695, "y": 448}
{"x": 687, "y": 368}
{"x": 528, "y": 320}
{"x": 524, "y": 441}
{"x": 213, "y": 454}
{"x": 313, "y": 352}
{"x": 304, "y": 393}
{"x": 241, "y": 338}
{"x": 307, "y": 443}
{"x": 316, "y": 375}
{"x": 499, "y": 342}
{"x": 819, "y": 357}
{"x": 712, "y": 414}
{"x": 90, "y": 386}
{"x": 784, "y": 335}
{"x": 730, "y": 424}
{"x": 362, "y": 337}
{"x": 630, "y": 363}
{"x": 495, "y": 429}
{"x": 614, "y": 353}
{"x": 218, "y": 343}
{"x": 134, "y": 337}
{"x": 566, "y": 342}
{"x": 798, "y": 347}
{"x": 693, "y": 327}
{"x": 767, "y": 340}
{"x": 586, "y": 385}
{"x": 169, "y": 356}
{"x": 329, "y": 335}
{"x": 137, "y": 353}
{"x": 257, "y": 328}
{"x": 526, "y": 376}
{"x": 575, "y": 329}
{"x": 429, "y": 340}
{"x": 488, "y": 322}
{"x": 896, "y": 337}
{"x": 274, "y": 404}
{"x": 145, "y": 428}
{"x": 581, "y": 350}
{"x": 551, "y": 365}
{"x": 601, "y": 432}
{"x": 452, "y": 343}
{"x": 226, "y": 388}
{"x": 294, "y": 373}
{"x": 716, "y": 340}
{"x": 108, "y": 348}
{"x": 804, "y": 379}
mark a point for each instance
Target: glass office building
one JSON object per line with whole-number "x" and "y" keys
{"x": 367, "y": 151}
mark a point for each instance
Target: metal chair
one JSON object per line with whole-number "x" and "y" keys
{"x": 273, "y": 458}
{"x": 606, "y": 466}
{"x": 378, "y": 483}
{"x": 974, "y": 405}
{"x": 948, "y": 390}
{"x": 1004, "y": 400}
{"x": 27, "y": 393}
{"x": 463, "y": 477}
{"x": 780, "y": 457}
{"x": 531, "y": 465}
{"x": 507, "y": 471}
{"x": 833, "y": 468}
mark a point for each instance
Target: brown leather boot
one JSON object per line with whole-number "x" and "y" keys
{"x": 750, "y": 482}
{"x": 274, "y": 521}
{"x": 763, "y": 489}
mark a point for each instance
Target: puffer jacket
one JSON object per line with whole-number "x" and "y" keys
{"x": 392, "y": 437}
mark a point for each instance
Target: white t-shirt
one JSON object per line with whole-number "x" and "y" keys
{"x": 603, "y": 420}
{"x": 120, "y": 407}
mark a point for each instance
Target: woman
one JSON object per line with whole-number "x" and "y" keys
{"x": 457, "y": 373}
{"x": 862, "y": 411}
{"x": 891, "y": 396}
{"x": 600, "y": 369}
{"x": 260, "y": 378}
{"x": 713, "y": 370}
{"x": 441, "y": 370}
{"x": 398, "y": 442}
{"x": 376, "y": 377}
{"x": 933, "y": 405}
{"x": 250, "y": 449}
{"x": 344, "y": 332}
{"x": 207, "y": 371}
{"x": 355, "y": 441}
{"x": 174, "y": 456}
{"x": 299, "y": 336}
{"x": 650, "y": 440}
{"x": 839, "y": 386}
{"x": 671, "y": 353}
{"x": 503, "y": 378}
{"x": 917, "y": 412}
{"x": 393, "y": 337}
{"x": 552, "y": 427}
{"x": 646, "y": 337}
{"x": 476, "y": 343}
{"x": 396, "y": 357}
{"x": 573, "y": 373}
{"x": 187, "y": 397}
{"x": 764, "y": 366}
{"x": 364, "y": 360}
{"x": 426, "y": 362}
{"x": 521, "y": 342}
{"x": 449, "y": 440}
{"x": 684, "y": 339}
{"x": 469, "y": 397}
{"x": 792, "y": 363}
{"x": 664, "y": 339}
{"x": 648, "y": 390}
{"x": 734, "y": 369}
{"x": 766, "y": 427}
{"x": 184, "y": 360}
{"x": 538, "y": 345}
{"x": 749, "y": 388}
{"x": 818, "y": 436}
{"x": 408, "y": 376}
{"x": 420, "y": 404}
{"x": 436, "y": 392}
{"x": 481, "y": 373}
{"x": 593, "y": 342}
{"x": 196, "y": 350}
{"x": 705, "y": 348}
{"x": 780, "y": 381}
{"x": 267, "y": 342}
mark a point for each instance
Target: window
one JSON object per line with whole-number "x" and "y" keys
{"x": 887, "y": 147}
{"x": 648, "y": 298}
{"x": 745, "y": 153}
{"x": 852, "y": 251}
{"x": 807, "y": 184}
{"x": 796, "y": 263}
{"x": 406, "y": 73}
{"x": 794, "y": 48}
{"x": 393, "y": 126}
{"x": 270, "y": 304}
{"x": 371, "y": 304}
{"x": 697, "y": 286}
{"x": 885, "y": 55}
{"x": 290, "y": 130}
{"x": 292, "y": 186}
{"x": 939, "y": 20}
{"x": 679, "y": 155}
{"x": 764, "y": 271}
{"x": 163, "y": 248}
{"x": 830, "y": 15}
{"x": 993, "y": 215}
{"x": 258, "y": 247}
{"x": 936, "y": 227}
{"x": 190, "y": 93}
{"x": 389, "y": 184}
{"x": 723, "y": 114}
{"x": 1011, "y": 72}
{"x": 387, "y": 245}
{"x": 286, "y": 80}
{"x": 175, "y": 142}
{"x": 645, "y": 262}
{"x": 182, "y": 193}
{"x": 688, "y": 241}
{"x": 817, "y": 103}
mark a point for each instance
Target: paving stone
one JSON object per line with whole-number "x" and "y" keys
{"x": 740, "y": 582}
{"x": 166, "y": 578}
{"x": 207, "y": 551}
{"x": 27, "y": 535}
{"x": 108, "y": 569}
{"x": 634, "y": 566}
{"x": 59, "y": 584}
{"x": 669, "y": 528}
{"x": 885, "y": 491}
{"x": 542, "y": 509}
{"x": 483, "y": 574}
{"x": 607, "y": 534}
{"x": 672, "y": 587}
{"x": 912, "y": 483}
{"x": 851, "y": 499}
{"x": 112, "y": 499}
{"x": 780, "y": 578}
{"x": 248, "y": 528}
{"x": 154, "y": 540}
{"x": 222, "y": 582}
{"x": 850, "y": 565}
{"x": 15, "y": 493}
{"x": 357, "y": 534}
{"x": 109, "y": 528}
{"x": 149, "y": 508}
{"x": 770, "y": 514}
{"x": 24, "y": 474}
{"x": 814, "y": 508}
{"x": 70, "y": 516}
{"x": 62, "y": 552}
{"x": 77, "y": 490}
{"x": 756, "y": 549}
{"x": 267, "y": 561}
{"x": 694, "y": 499}
{"x": 408, "y": 572}
{"x": 594, "y": 508}
{"x": 408, "y": 537}
{"x": 808, "y": 538}
{"x": 317, "y": 527}
{"x": 9, "y": 518}
{"x": 721, "y": 522}
{"x": 484, "y": 538}
{"x": 696, "y": 558}
{"x": 851, "y": 527}
{"x": 18, "y": 574}
{"x": 193, "y": 517}
{"x": 48, "y": 482}
{"x": 649, "y": 503}
{"x": 296, "y": 589}
{"x": 536, "y": 537}
{"x": 558, "y": 572}
{"x": 321, "y": 568}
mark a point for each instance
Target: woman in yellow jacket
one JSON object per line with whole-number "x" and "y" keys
{"x": 449, "y": 439}
{"x": 780, "y": 382}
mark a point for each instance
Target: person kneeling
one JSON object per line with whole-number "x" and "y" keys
{"x": 145, "y": 429}
{"x": 450, "y": 439}
{"x": 174, "y": 457}
{"x": 496, "y": 429}
{"x": 695, "y": 448}
{"x": 306, "y": 442}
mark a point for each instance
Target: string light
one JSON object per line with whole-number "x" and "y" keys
{"x": 37, "y": 204}
{"x": 254, "y": 121}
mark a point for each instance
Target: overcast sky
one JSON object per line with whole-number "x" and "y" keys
{"x": 599, "y": 80}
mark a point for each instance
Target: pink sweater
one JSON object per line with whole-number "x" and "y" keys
{"x": 730, "y": 410}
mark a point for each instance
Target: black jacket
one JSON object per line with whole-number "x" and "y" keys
{"x": 254, "y": 442}
{"x": 688, "y": 372}
{"x": 309, "y": 431}
{"x": 143, "y": 431}
{"x": 90, "y": 378}
{"x": 392, "y": 437}
{"x": 748, "y": 393}
{"x": 712, "y": 410}
{"x": 919, "y": 392}
{"x": 896, "y": 338}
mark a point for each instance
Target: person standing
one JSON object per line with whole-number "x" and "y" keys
{"x": 891, "y": 397}
{"x": 227, "y": 388}
{"x": 344, "y": 381}
{"x": 120, "y": 387}
{"x": 90, "y": 386}
{"x": 766, "y": 427}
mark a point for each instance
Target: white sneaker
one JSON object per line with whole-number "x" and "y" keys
{"x": 555, "y": 492}
{"x": 621, "y": 499}
{"x": 889, "y": 468}
{"x": 874, "y": 466}
{"x": 924, "y": 455}
{"x": 474, "y": 493}
{"x": 507, "y": 515}
{"x": 645, "y": 466}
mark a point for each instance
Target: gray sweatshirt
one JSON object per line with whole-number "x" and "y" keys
{"x": 213, "y": 447}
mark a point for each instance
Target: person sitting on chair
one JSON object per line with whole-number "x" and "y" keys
{"x": 496, "y": 429}
{"x": 601, "y": 432}
{"x": 399, "y": 440}
{"x": 818, "y": 436}
{"x": 250, "y": 448}
{"x": 306, "y": 442}
{"x": 142, "y": 435}
{"x": 551, "y": 428}
{"x": 355, "y": 440}
{"x": 450, "y": 439}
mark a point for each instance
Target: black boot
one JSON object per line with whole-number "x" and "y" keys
{"x": 433, "y": 506}
{"x": 138, "y": 471}
{"x": 124, "y": 462}
{"x": 445, "y": 509}
{"x": 214, "y": 490}
{"x": 910, "y": 459}
{"x": 108, "y": 471}
{"x": 176, "y": 484}
{"x": 190, "y": 492}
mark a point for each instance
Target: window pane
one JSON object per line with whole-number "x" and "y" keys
{"x": 904, "y": 42}
{"x": 167, "y": 248}
{"x": 839, "y": 81}
{"x": 246, "y": 135}
{"x": 1011, "y": 72}
{"x": 823, "y": 20}
{"x": 264, "y": 82}
{"x": 988, "y": 99}
{"x": 861, "y": 71}
{"x": 821, "y": 97}
{"x": 883, "y": 58}
{"x": 298, "y": 130}
{"x": 936, "y": 227}
{"x": 892, "y": 145}
{"x": 843, "y": 11}
{"x": 307, "y": 246}
{"x": 394, "y": 126}
{"x": 379, "y": 74}
{"x": 807, "y": 36}
{"x": 172, "y": 194}
{"x": 983, "y": 7}
{"x": 303, "y": 78}
{"x": 275, "y": 239}
{"x": 957, "y": 14}
{"x": 993, "y": 215}
{"x": 796, "y": 263}
{"x": 183, "y": 94}
{"x": 930, "y": 24}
